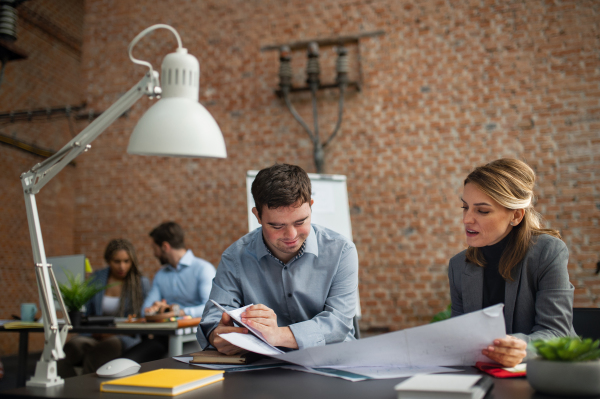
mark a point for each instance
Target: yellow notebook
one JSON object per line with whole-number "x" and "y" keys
{"x": 166, "y": 382}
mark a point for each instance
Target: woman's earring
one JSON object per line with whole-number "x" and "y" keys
{"x": 512, "y": 223}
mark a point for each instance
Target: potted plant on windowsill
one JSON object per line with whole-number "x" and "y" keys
{"x": 565, "y": 366}
{"x": 76, "y": 293}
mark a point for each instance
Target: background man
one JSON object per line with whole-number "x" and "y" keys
{"x": 302, "y": 278}
{"x": 184, "y": 279}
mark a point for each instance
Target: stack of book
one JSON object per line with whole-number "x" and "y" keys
{"x": 167, "y": 325}
{"x": 214, "y": 357}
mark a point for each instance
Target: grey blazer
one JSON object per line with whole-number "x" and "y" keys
{"x": 538, "y": 303}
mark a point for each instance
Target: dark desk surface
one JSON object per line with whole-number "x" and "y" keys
{"x": 273, "y": 383}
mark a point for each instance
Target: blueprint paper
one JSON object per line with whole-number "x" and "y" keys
{"x": 454, "y": 342}
{"x": 347, "y": 373}
{"x": 328, "y": 372}
{"x": 230, "y": 368}
{"x": 369, "y": 373}
{"x": 386, "y": 372}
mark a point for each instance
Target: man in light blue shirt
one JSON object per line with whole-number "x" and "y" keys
{"x": 301, "y": 278}
{"x": 184, "y": 279}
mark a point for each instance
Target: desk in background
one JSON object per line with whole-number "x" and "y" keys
{"x": 272, "y": 383}
{"x": 176, "y": 339}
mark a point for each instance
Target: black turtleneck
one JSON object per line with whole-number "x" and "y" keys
{"x": 493, "y": 282}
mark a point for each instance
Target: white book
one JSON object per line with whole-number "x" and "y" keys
{"x": 447, "y": 386}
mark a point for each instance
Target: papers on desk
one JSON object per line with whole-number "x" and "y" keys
{"x": 454, "y": 342}
{"x": 230, "y": 368}
{"x": 348, "y": 373}
{"x": 22, "y": 324}
{"x": 251, "y": 343}
{"x": 260, "y": 345}
{"x": 370, "y": 373}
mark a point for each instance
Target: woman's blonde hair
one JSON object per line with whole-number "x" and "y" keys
{"x": 510, "y": 183}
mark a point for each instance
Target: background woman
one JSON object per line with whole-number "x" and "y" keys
{"x": 511, "y": 260}
{"x": 124, "y": 296}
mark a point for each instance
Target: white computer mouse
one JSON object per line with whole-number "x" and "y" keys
{"x": 118, "y": 368}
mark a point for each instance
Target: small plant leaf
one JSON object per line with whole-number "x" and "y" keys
{"x": 76, "y": 293}
{"x": 568, "y": 349}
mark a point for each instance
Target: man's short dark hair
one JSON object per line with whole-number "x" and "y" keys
{"x": 170, "y": 232}
{"x": 280, "y": 185}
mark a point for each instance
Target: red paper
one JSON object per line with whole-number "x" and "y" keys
{"x": 497, "y": 371}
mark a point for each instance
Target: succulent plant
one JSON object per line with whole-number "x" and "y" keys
{"x": 568, "y": 349}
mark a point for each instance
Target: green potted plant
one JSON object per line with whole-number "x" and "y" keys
{"x": 565, "y": 366}
{"x": 76, "y": 293}
{"x": 443, "y": 315}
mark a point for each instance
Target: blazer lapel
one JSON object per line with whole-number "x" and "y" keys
{"x": 472, "y": 287}
{"x": 511, "y": 289}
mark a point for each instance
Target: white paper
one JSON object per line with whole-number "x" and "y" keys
{"x": 454, "y": 342}
{"x": 396, "y": 371}
{"x": 251, "y": 343}
{"x": 327, "y": 372}
{"x": 236, "y": 315}
{"x": 230, "y": 368}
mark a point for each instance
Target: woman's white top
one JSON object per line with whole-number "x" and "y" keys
{"x": 110, "y": 305}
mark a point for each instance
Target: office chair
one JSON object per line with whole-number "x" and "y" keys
{"x": 586, "y": 322}
{"x": 356, "y": 327}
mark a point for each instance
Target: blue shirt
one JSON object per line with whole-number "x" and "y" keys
{"x": 314, "y": 294}
{"x": 188, "y": 284}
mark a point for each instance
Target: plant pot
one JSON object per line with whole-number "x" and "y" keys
{"x": 564, "y": 378}
{"x": 76, "y": 317}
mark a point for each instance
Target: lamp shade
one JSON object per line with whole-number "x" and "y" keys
{"x": 177, "y": 127}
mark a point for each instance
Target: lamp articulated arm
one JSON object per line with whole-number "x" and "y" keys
{"x": 33, "y": 181}
{"x": 177, "y": 125}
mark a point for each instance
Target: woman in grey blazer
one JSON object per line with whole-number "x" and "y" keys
{"x": 511, "y": 260}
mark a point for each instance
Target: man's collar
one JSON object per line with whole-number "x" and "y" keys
{"x": 186, "y": 260}
{"x": 310, "y": 245}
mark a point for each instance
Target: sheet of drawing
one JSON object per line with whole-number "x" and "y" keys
{"x": 188, "y": 359}
{"x": 328, "y": 372}
{"x": 458, "y": 341}
{"x": 236, "y": 315}
{"x": 380, "y": 373}
{"x": 383, "y": 350}
{"x": 454, "y": 342}
{"x": 230, "y": 368}
{"x": 250, "y": 343}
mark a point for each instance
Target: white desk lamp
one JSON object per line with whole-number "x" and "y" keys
{"x": 177, "y": 125}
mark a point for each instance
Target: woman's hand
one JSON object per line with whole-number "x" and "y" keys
{"x": 508, "y": 351}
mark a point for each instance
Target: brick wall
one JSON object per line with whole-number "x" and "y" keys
{"x": 49, "y": 31}
{"x": 449, "y": 86}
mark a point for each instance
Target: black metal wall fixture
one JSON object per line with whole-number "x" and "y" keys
{"x": 313, "y": 84}
{"x": 8, "y": 34}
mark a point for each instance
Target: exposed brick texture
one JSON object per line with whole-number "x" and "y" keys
{"x": 449, "y": 86}
{"x": 50, "y": 77}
